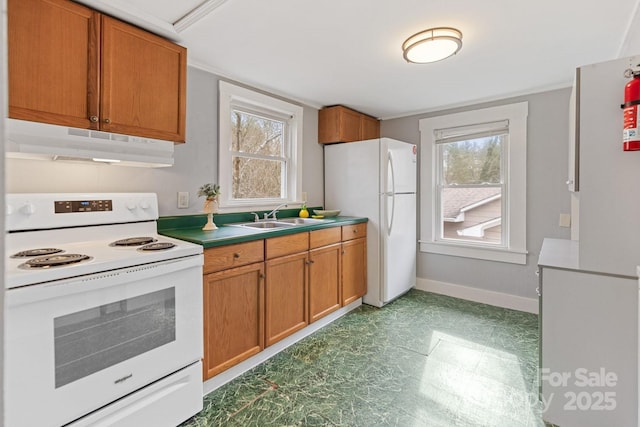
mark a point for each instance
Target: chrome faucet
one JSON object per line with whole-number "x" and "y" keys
{"x": 272, "y": 214}
{"x": 256, "y": 218}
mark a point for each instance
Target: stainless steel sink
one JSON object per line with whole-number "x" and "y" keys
{"x": 267, "y": 225}
{"x": 302, "y": 221}
{"x": 280, "y": 223}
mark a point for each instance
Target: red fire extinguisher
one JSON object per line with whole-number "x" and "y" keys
{"x": 630, "y": 133}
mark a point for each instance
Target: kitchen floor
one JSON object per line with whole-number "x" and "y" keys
{"x": 423, "y": 360}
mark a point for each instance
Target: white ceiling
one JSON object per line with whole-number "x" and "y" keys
{"x": 348, "y": 51}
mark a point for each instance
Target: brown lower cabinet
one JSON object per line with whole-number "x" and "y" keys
{"x": 287, "y": 293}
{"x": 354, "y": 262}
{"x": 354, "y": 270}
{"x": 324, "y": 281}
{"x": 286, "y": 296}
{"x": 233, "y": 317}
{"x": 260, "y": 292}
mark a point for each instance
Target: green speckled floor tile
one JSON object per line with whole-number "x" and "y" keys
{"x": 222, "y": 405}
{"x": 424, "y": 360}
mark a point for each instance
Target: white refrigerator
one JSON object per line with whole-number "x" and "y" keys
{"x": 377, "y": 179}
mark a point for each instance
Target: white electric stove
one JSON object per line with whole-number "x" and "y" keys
{"x": 103, "y": 315}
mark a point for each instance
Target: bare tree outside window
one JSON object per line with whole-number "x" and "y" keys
{"x": 471, "y": 187}
{"x": 258, "y": 156}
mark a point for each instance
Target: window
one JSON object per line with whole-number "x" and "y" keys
{"x": 260, "y": 149}
{"x": 473, "y": 182}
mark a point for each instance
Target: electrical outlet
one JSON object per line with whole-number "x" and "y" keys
{"x": 565, "y": 220}
{"x": 183, "y": 199}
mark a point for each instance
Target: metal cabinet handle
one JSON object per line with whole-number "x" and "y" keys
{"x": 107, "y": 121}
{"x": 538, "y": 291}
{"x": 569, "y": 182}
{"x": 261, "y": 275}
{"x": 236, "y": 255}
{"x": 93, "y": 119}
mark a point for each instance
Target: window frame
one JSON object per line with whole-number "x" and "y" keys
{"x": 233, "y": 97}
{"x": 514, "y": 204}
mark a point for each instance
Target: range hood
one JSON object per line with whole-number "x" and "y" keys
{"x": 33, "y": 140}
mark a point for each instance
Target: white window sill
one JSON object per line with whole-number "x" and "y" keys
{"x": 489, "y": 254}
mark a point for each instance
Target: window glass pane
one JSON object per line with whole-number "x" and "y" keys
{"x": 471, "y": 191}
{"x": 256, "y": 135}
{"x": 472, "y": 214}
{"x": 473, "y": 161}
{"x": 94, "y": 339}
{"x": 257, "y": 178}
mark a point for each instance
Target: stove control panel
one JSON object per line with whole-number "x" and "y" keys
{"x": 72, "y": 206}
{"x": 39, "y": 211}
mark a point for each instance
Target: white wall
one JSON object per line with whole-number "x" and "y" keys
{"x": 547, "y": 197}
{"x": 196, "y": 161}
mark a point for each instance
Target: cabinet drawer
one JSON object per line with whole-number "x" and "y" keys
{"x": 324, "y": 237}
{"x": 223, "y": 257}
{"x": 287, "y": 245}
{"x": 354, "y": 231}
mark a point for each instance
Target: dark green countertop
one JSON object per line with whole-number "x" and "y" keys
{"x": 189, "y": 228}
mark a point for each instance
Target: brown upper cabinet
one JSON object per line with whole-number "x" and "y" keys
{"x": 342, "y": 124}
{"x": 72, "y": 66}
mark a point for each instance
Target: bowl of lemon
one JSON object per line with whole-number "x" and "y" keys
{"x": 326, "y": 213}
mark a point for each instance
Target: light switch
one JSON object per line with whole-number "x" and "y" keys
{"x": 183, "y": 199}
{"x": 565, "y": 220}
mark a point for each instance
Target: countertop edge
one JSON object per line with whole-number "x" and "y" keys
{"x": 559, "y": 253}
{"x": 564, "y": 254}
{"x": 209, "y": 239}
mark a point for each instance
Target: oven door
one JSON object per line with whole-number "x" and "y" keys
{"x": 78, "y": 344}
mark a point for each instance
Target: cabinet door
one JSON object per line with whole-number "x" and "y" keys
{"x": 324, "y": 281}
{"x": 285, "y": 296}
{"x": 233, "y": 317}
{"x": 350, "y": 125}
{"x": 143, "y": 83}
{"x": 354, "y": 270}
{"x": 589, "y": 330}
{"x": 369, "y": 127}
{"x": 53, "y": 62}
{"x": 338, "y": 124}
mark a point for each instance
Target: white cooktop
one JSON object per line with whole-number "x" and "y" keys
{"x": 104, "y": 256}
{"x": 88, "y": 225}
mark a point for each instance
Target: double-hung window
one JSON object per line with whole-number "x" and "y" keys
{"x": 473, "y": 183}
{"x": 260, "y": 149}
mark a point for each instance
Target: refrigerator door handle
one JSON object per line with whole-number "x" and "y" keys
{"x": 386, "y": 210}
{"x": 393, "y": 172}
{"x": 392, "y": 195}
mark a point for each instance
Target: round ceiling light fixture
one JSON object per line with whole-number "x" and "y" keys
{"x": 434, "y": 44}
